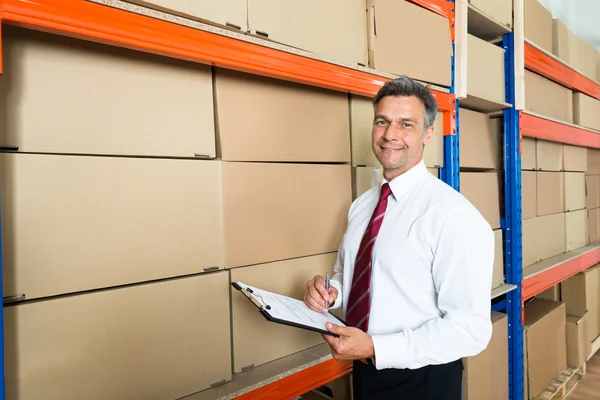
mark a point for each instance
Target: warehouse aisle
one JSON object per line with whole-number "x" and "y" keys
{"x": 589, "y": 387}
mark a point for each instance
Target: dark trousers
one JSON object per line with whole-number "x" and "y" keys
{"x": 433, "y": 382}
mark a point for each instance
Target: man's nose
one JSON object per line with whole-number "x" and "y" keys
{"x": 392, "y": 132}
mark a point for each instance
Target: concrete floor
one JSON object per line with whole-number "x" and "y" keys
{"x": 589, "y": 387}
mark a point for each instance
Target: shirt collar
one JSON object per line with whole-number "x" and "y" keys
{"x": 403, "y": 183}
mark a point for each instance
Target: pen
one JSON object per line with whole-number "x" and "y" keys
{"x": 327, "y": 288}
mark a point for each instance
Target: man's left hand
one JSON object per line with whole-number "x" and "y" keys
{"x": 352, "y": 343}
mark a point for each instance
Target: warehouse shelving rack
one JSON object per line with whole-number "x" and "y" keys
{"x": 547, "y": 273}
{"x": 95, "y": 20}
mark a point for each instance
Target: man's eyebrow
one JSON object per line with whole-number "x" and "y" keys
{"x": 408, "y": 119}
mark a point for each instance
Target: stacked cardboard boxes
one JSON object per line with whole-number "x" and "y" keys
{"x": 554, "y": 206}
{"x": 108, "y": 224}
{"x": 573, "y": 51}
{"x": 546, "y": 97}
{"x": 287, "y": 186}
{"x": 592, "y": 190}
{"x": 140, "y": 215}
{"x": 481, "y": 174}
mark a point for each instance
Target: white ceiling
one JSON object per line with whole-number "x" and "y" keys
{"x": 582, "y": 17}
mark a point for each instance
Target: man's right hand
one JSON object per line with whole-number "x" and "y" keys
{"x": 315, "y": 295}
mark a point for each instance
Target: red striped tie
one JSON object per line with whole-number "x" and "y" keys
{"x": 359, "y": 301}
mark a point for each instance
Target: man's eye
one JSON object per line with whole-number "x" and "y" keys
{"x": 407, "y": 125}
{"x": 380, "y": 123}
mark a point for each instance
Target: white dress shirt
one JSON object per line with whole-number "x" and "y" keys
{"x": 431, "y": 276}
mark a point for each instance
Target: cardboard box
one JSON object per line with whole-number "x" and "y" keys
{"x": 538, "y": 24}
{"x": 564, "y": 43}
{"x": 545, "y": 343}
{"x": 547, "y": 98}
{"x": 482, "y": 190}
{"x": 550, "y": 193}
{"x": 573, "y": 50}
{"x": 335, "y": 29}
{"x": 576, "y": 229}
{"x": 257, "y": 120}
{"x": 586, "y": 111}
{"x": 574, "y": 158}
{"x": 543, "y": 237}
{"x": 586, "y": 59}
{"x": 499, "y": 348}
{"x": 363, "y": 179}
{"x": 582, "y": 292}
{"x": 498, "y": 273}
{"x": 592, "y": 191}
{"x": 485, "y": 63}
{"x": 486, "y": 374}
{"x": 233, "y": 12}
{"x": 550, "y": 294}
{"x": 106, "y": 221}
{"x": 593, "y": 225}
{"x": 111, "y": 101}
{"x": 499, "y": 10}
{"x": 549, "y": 155}
{"x": 435, "y": 172}
{"x": 477, "y": 376}
{"x": 256, "y": 340}
{"x": 530, "y": 248}
{"x": 574, "y": 191}
{"x": 529, "y": 194}
{"x": 430, "y": 55}
{"x": 288, "y": 210}
{"x": 481, "y": 140}
{"x": 528, "y": 154}
{"x": 593, "y": 162}
{"x": 119, "y": 343}
{"x": 578, "y": 343}
{"x": 361, "y": 127}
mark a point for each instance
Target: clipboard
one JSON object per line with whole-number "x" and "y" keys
{"x": 287, "y": 310}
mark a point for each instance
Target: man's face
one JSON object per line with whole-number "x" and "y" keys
{"x": 399, "y": 134}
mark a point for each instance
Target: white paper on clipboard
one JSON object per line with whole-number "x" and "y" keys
{"x": 288, "y": 310}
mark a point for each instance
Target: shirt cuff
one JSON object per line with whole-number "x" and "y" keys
{"x": 390, "y": 351}
{"x": 338, "y": 301}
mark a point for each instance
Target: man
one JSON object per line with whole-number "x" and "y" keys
{"x": 414, "y": 269}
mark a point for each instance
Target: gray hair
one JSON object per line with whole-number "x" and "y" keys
{"x": 404, "y": 86}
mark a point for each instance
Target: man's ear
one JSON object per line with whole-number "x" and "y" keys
{"x": 428, "y": 134}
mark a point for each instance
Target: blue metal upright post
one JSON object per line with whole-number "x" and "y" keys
{"x": 513, "y": 225}
{"x": 449, "y": 173}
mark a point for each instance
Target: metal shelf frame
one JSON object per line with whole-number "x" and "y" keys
{"x": 513, "y": 240}
{"x": 99, "y": 23}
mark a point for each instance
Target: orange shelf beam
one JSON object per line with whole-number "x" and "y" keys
{"x": 99, "y": 23}
{"x": 545, "y": 280}
{"x": 444, "y": 8}
{"x": 540, "y": 62}
{"x": 301, "y": 382}
{"x": 541, "y": 128}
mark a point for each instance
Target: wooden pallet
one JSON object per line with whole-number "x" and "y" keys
{"x": 563, "y": 384}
